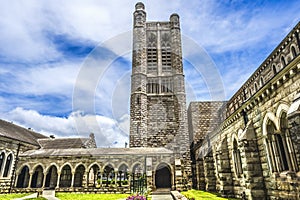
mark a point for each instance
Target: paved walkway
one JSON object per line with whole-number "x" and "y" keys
{"x": 34, "y": 195}
{"x": 162, "y": 197}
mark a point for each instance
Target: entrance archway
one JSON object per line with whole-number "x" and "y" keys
{"x": 163, "y": 176}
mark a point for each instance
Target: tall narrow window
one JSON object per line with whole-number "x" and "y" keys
{"x": 7, "y": 165}
{"x": 166, "y": 52}
{"x": 294, "y": 53}
{"x": 237, "y": 159}
{"x": 261, "y": 81}
{"x": 283, "y": 63}
{"x": 151, "y": 52}
{"x": 2, "y": 157}
{"x": 255, "y": 86}
{"x": 274, "y": 69}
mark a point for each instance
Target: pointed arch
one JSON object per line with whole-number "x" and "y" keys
{"x": 293, "y": 51}
{"x": 108, "y": 174}
{"x": 79, "y": 174}
{"x": 51, "y": 176}
{"x": 37, "y": 176}
{"x": 2, "y": 161}
{"x": 65, "y": 176}
{"x": 8, "y": 164}
{"x": 23, "y": 177}
{"x": 163, "y": 176}
{"x": 123, "y": 173}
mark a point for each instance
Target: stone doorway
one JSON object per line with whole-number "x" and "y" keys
{"x": 163, "y": 177}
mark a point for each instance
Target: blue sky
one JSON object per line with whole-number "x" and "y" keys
{"x": 46, "y": 46}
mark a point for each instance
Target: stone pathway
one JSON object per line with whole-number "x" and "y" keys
{"x": 34, "y": 195}
{"x": 47, "y": 195}
{"x": 162, "y": 197}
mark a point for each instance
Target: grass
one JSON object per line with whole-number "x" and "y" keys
{"x": 73, "y": 196}
{"x": 12, "y": 196}
{"x": 198, "y": 194}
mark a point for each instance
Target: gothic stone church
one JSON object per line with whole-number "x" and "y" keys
{"x": 247, "y": 147}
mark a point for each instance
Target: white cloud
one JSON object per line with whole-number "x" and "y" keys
{"x": 106, "y": 130}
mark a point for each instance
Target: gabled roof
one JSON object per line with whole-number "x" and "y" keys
{"x": 15, "y": 132}
{"x": 63, "y": 143}
{"x": 96, "y": 152}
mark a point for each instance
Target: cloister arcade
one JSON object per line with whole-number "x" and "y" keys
{"x": 78, "y": 176}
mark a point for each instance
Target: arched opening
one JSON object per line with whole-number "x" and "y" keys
{"x": 294, "y": 53}
{"x": 255, "y": 87}
{"x": 287, "y": 145}
{"x": 261, "y": 82}
{"x": 79, "y": 173}
{"x": 108, "y": 177}
{"x": 163, "y": 176}
{"x": 7, "y": 165}
{"x": 2, "y": 157}
{"x": 37, "y": 177}
{"x": 122, "y": 176}
{"x": 65, "y": 177}
{"x": 283, "y": 63}
{"x": 23, "y": 178}
{"x": 93, "y": 176}
{"x": 51, "y": 177}
{"x": 237, "y": 159}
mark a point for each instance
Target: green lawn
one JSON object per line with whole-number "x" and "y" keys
{"x": 12, "y": 196}
{"x": 73, "y": 196}
{"x": 198, "y": 194}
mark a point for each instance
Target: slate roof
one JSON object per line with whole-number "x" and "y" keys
{"x": 96, "y": 152}
{"x": 15, "y": 132}
{"x": 63, "y": 143}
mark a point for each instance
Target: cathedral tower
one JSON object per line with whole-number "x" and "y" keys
{"x": 158, "y": 116}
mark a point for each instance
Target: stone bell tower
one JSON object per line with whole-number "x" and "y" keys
{"x": 158, "y": 116}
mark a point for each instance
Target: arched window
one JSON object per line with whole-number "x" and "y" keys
{"x": 261, "y": 81}
{"x": 294, "y": 53}
{"x": 93, "y": 176}
{"x": 289, "y": 159}
{"x": 23, "y": 178}
{"x": 108, "y": 175}
{"x": 137, "y": 171}
{"x": 79, "y": 172}
{"x": 37, "y": 178}
{"x": 7, "y": 165}
{"x": 51, "y": 177}
{"x": 274, "y": 69}
{"x": 123, "y": 175}
{"x": 256, "y": 87}
{"x": 237, "y": 159}
{"x": 280, "y": 147}
{"x": 65, "y": 177}
{"x": 2, "y": 158}
{"x": 283, "y": 63}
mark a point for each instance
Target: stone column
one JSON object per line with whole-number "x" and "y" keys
{"x": 87, "y": 179}
{"x": 101, "y": 176}
{"x": 116, "y": 178}
{"x": 252, "y": 170}
{"x": 44, "y": 181}
{"x": 209, "y": 173}
{"x": 200, "y": 174}
{"x": 58, "y": 179}
{"x": 72, "y": 181}
{"x": 30, "y": 179}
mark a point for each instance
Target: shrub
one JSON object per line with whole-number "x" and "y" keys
{"x": 136, "y": 197}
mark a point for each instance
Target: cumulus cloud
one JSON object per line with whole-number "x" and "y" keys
{"x": 41, "y": 60}
{"x": 106, "y": 130}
